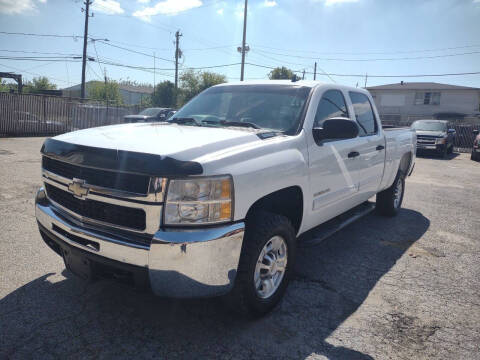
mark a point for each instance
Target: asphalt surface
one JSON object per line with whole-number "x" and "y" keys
{"x": 386, "y": 288}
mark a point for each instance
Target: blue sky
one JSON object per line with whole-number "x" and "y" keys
{"x": 344, "y": 36}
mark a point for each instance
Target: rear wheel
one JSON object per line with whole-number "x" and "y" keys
{"x": 266, "y": 263}
{"x": 390, "y": 200}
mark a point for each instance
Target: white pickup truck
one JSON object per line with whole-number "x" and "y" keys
{"x": 213, "y": 200}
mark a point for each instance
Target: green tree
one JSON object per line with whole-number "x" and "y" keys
{"x": 164, "y": 94}
{"x": 100, "y": 91}
{"x": 38, "y": 84}
{"x": 7, "y": 87}
{"x": 193, "y": 83}
{"x": 280, "y": 73}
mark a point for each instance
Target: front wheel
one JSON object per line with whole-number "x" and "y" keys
{"x": 266, "y": 263}
{"x": 390, "y": 200}
{"x": 474, "y": 156}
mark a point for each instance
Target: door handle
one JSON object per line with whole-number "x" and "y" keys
{"x": 380, "y": 147}
{"x": 353, "y": 154}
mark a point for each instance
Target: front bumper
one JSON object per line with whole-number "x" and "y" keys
{"x": 434, "y": 147}
{"x": 180, "y": 263}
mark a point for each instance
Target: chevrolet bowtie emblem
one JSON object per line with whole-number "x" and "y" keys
{"x": 77, "y": 187}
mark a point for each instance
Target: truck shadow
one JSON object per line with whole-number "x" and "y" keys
{"x": 434, "y": 156}
{"x": 61, "y": 316}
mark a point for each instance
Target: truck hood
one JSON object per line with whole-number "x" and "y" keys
{"x": 180, "y": 142}
{"x": 431, "y": 133}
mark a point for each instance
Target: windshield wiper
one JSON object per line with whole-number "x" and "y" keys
{"x": 185, "y": 121}
{"x": 239, "y": 123}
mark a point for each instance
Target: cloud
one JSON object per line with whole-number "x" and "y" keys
{"x": 143, "y": 1}
{"x": 220, "y": 11}
{"x": 11, "y": 7}
{"x": 335, "y": 2}
{"x": 167, "y": 7}
{"x": 110, "y": 7}
{"x": 269, "y": 3}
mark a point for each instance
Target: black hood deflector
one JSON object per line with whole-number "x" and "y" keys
{"x": 119, "y": 160}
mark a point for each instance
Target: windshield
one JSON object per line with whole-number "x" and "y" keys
{"x": 150, "y": 112}
{"x": 275, "y": 107}
{"x": 429, "y": 126}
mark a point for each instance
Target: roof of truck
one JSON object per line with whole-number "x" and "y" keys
{"x": 307, "y": 83}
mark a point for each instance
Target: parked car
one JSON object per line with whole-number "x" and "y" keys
{"x": 476, "y": 146}
{"x": 149, "y": 114}
{"x": 434, "y": 136}
{"x": 212, "y": 201}
{"x": 27, "y": 123}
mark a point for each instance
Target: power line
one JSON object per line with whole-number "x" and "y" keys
{"x": 42, "y": 35}
{"x": 37, "y": 52}
{"x": 368, "y": 53}
{"x": 69, "y": 59}
{"x": 377, "y": 76}
{"x": 134, "y": 51}
{"x": 96, "y": 53}
{"x": 372, "y": 59}
{"x": 32, "y": 73}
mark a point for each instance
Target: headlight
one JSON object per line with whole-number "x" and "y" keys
{"x": 441, "y": 140}
{"x": 199, "y": 201}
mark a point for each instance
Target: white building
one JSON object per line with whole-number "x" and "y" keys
{"x": 406, "y": 102}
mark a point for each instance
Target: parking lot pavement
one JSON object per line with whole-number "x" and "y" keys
{"x": 389, "y": 288}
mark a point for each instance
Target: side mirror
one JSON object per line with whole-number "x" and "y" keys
{"x": 451, "y": 131}
{"x": 475, "y": 132}
{"x": 336, "y": 128}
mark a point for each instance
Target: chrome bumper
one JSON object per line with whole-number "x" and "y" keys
{"x": 181, "y": 263}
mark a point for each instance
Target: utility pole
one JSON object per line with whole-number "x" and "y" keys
{"x": 106, "y": 90}
{"x": 154, "y": 74}
{"x": 366, "y": 77}
{"x": 178, "y": 54}
{"x": 244, "y": 40}
{"x": 85, "y": 38}
{"x": 303, "y": 74}
{"x": 315, "y": 71}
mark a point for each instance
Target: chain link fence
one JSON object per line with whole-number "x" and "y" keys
{"x": 40, "y": 115}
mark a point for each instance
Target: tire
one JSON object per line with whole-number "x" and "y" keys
{"x": 444, "y": 153}
{"x": 389, "y": 201}
{"x": 474, "y": 156}
{"x": 245, "y": 299}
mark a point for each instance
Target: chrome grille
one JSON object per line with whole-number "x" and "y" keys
{"x": 99, "y": 200}
{"x": 104, "y": 178}
{"x": 92, "y": 209}
{"x": 426, "y": 139}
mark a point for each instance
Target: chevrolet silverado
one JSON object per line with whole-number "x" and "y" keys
{"x": 213, "y": 201}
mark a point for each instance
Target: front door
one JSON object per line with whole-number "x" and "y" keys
{"x": 334, "y": 168}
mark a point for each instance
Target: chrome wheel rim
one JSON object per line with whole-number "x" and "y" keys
{"x": 271, "y": 266}
{"x": 397, "y": 194}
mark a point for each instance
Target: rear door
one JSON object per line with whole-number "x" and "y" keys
{"x": 334, "y": 171}
{"x": 372, "y": 148}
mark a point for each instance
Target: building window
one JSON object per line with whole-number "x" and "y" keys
{"x": 427, "y": 98}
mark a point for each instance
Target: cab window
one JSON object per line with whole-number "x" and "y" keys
{"x": 332, "y": 104}
{"x": 363, "y": 113}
